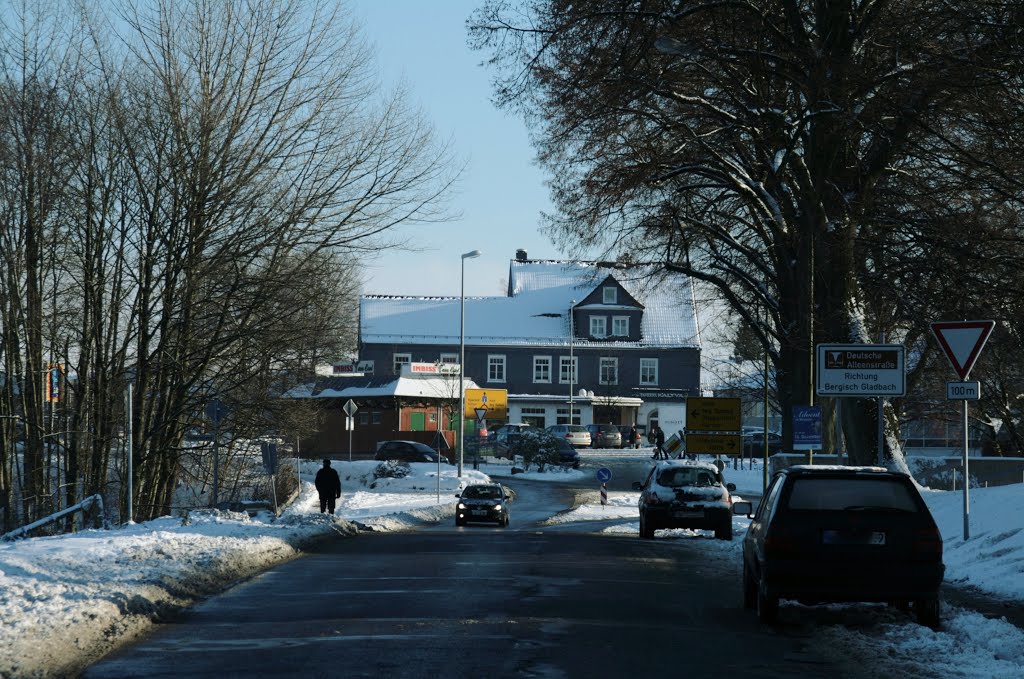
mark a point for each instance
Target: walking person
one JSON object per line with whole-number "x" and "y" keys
{"x": 659, "y": 444}
{"x": 634, "y": 437}
{"x": 328, "y": 485}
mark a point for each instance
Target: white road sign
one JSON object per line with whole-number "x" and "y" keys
{"x": 861, "y": 370}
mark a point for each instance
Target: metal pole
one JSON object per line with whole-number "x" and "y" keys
{"x": 216, "y": 452}
{"x": 764, "y": 472}
{"x": 462, "y": 362}
{"x": 131, "y": 511}
{"x": 462, "y": 354}
{"x": 572, "y": 366}
{"x": 881, "y": 424}
{"x": 967, "y": 483}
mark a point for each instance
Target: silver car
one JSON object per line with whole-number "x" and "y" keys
{"x": 576, "y": 434}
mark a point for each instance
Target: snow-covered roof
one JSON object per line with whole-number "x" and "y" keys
{"x": 369, "y": 386}
{"x": 536, "y": 309}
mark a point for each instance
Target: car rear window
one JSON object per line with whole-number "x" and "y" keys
{"x": 686, "y": 476}
{"x": 838, "y": 494}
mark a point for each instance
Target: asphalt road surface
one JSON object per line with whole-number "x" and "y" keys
{"x": 532, "y": 600}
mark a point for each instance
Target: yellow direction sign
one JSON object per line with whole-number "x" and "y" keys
{"x": 494, "y": 401}
{"x": 713, "y": 444}
{"x": 712, "y": 414}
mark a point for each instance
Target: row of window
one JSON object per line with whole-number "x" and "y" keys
{"x": 568, "y": 369}
{"x": 599, "y": 326}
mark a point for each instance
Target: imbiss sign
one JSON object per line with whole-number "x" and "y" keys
{"x": 861, "y": 370}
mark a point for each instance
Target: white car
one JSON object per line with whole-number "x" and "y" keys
{"x": 576, "y": 434}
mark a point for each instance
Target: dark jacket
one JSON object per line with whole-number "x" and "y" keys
{"x": 659, "y": 437}
{"x": 328, "y": 482}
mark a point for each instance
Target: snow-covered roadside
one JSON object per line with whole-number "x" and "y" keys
{"x": 67, "y": 600}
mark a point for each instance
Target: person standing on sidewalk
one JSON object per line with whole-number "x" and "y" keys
{"x": 659, "y": 444}
{"x": 328, "y": 486}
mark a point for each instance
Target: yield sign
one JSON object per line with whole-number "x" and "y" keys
{"x": 962, "y": 341}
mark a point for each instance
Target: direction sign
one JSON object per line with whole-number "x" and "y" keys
{"x": 861, "y": 370}
{"x": 495, "y": 401}
{"x": 962, "y": 342}
{"x": 350, "y": 408}
{"x": 713, "y": 444}
{"x": 604, "y": 475}
{"x": 712, "y": 414}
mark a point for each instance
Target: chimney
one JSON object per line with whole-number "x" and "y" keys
{"x": 521, "y": 255}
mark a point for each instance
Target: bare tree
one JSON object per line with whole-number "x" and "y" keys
{"x": 772, "y": 149}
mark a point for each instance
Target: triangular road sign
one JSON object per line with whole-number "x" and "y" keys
{"x": 962, "y": 341}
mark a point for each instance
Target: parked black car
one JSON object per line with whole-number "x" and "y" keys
{"x": 833, "y": 534}
{"x": 753, "y": 443}
{"x": 604, "y": 436}
{"x": 685, "y": 494}
{"x": 408, "y": 451}
{"x": 483, "y": 502}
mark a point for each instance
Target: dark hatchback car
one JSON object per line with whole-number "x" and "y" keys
{"x": 408, "y": 451}
{"x": 753, "y": 443}
{"x": 685, "y": 494}
{"x": 842, "y": 534}
{"x": 604, "y": 436}
{"x": 484, "y": 503}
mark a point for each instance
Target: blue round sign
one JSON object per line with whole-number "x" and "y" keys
{"x": 604, "y": 475}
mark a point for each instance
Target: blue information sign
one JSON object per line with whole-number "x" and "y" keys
{"x": 604, "y": 475}
{"x": 807, "y": 427}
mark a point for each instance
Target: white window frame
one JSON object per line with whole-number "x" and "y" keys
{"x": 620, "y": 321}
{"x": 495, "y": 363}
{"x": 612, "y": 364}
{"x": 539, "y": 362}
{"x": 610, "y": 294}
{"x": 648, "y": 372}
{"x": 564, "y": 368}
{"x": 398, "y": 360}
{"x": 450, "y": 358}
{"x": 598, "y": 326}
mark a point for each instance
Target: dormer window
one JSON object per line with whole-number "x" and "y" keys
{"x": 611, "y": 295}
{"x": 598, "y": 326}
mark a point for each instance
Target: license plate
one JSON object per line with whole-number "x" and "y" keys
{"x": 839, "y": 537}
{"x": 688, "y": 514}
{"x": 479, "y": 512}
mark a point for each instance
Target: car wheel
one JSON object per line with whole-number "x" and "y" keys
{"x": 646, "y": 531}
{"x": 901, "y": 605}
{"x": 459, "y": 523}
{"x": 767, "y": 604}
{"x": 927, "y": 612}
{"x": 749, "y": 590}
{"x": 724, "y": 532}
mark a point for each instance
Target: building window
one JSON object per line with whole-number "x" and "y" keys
{"x": 598, "y": 326}
{"x": 364, "y": 417}
{"x": 620, "y": 326}
{"x": 648, "y": 371}
{"x": 567, "y": 375}
{"x": 611, "y": 295}
{"x": 609, "y": 371}
{"x": 496, "y": 368}
{"x": 399, "y": 361}
{"x": 542, "y": 369}
{"x": 433, "y": 417}
{"x": 562, "y": 416}
{"x": 449, "y": 358}
{"x": 376, "y": 417}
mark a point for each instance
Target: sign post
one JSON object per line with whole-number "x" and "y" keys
{"x": 962, "y": 342}
{"x": 350, "y": 409}
{"x": 604, "y": 475}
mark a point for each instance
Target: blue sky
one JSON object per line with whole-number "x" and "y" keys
{"x": 502, "y": 192}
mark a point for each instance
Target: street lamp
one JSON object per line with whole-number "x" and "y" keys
{"x": 462, "y": 355}
{"x": 572, "y": 366}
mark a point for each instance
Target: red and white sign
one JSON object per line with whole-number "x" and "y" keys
{"x": 962, "y": 341}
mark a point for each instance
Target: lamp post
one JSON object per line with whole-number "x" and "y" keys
{"x": 572, "y": 366}
{"x": 462, "y": 356}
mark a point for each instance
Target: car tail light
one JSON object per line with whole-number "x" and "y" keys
{"x": 780, "y": 541}
{"x": 927, "y": 541}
